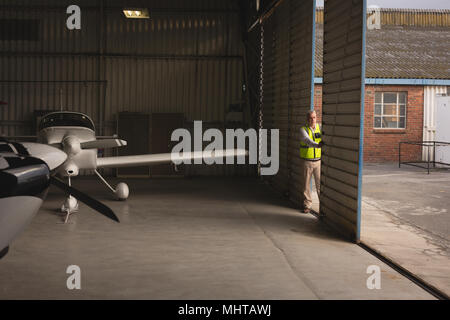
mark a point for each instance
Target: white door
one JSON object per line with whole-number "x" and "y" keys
{"x": 443, "y": 128}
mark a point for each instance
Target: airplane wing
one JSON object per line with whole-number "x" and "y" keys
{"x": 105, "y": 143}
{"x": 50, "y": 155}
{"x": 152, "y": 159}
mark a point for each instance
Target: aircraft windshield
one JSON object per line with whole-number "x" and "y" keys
{"x": 66, "y": 119}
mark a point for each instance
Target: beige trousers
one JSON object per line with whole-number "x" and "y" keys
{"x": 309, "y": 168}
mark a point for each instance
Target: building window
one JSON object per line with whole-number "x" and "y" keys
{"x": 390, "y": 110}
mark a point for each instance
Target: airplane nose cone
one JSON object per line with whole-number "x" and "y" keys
{"x": 52, "y": 156}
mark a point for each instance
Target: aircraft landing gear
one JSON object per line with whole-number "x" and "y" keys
{"x": 70, "y": 205}
{"x": 122, "y": 191}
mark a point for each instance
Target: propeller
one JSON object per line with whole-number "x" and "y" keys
{"x": 3, "y": 252}
{"x": 54, "y": 159}
{"x": 91, "y": 202}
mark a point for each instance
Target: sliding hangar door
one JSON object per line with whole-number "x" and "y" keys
{"x": 284, "y": 33}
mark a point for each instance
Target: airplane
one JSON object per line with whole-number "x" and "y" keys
{"x": 26, "y": 171}
{"x": 74, "y": 134}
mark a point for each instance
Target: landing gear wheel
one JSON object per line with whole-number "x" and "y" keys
{"x": 122, "y": 191}
{"x": 70, "y": 206}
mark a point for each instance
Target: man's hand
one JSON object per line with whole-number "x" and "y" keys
{"x": 320, "y": 144}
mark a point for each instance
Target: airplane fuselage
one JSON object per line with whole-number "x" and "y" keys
{"x": 69, "y": 139}
{"x": 74, "y": 133}
{"x": 67, "y": 131}
{"x": 24, "y": 182}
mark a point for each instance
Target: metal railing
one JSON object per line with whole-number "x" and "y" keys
{"x": 428, "y": 164}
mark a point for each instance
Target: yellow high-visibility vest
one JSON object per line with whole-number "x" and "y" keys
{"x": 307, "y": 152}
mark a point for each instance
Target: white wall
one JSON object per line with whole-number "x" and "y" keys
{"x": 429, "y": 114}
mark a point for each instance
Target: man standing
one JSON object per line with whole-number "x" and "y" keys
{"x": 310, "y": 154}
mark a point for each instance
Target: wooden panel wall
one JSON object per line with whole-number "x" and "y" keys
{"x": 301, "y": 83}
{"x": 343, "y": 67}
{"x": 287, "y": 83}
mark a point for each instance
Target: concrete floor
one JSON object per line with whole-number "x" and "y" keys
{"x": 421, "y": 199}
{"x": 191, "y": 239}
{"x": 405, "y": 217}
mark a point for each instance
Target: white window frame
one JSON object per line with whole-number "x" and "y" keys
{"x": 398, "y": 105}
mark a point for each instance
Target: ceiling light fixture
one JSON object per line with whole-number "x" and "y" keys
{"x": 136, "y": 13}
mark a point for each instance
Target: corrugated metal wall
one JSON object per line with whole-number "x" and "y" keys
{"x": 407, "y": 17}
{"x": 154, "y": 5}
{"x": 187, "y": 58}
{"x": 35, "y": 82}
{"x": 276, "y": 84}
{"x": 342, "y": 106}
{"x": 415, "y": 17}
{"x": 287, "y": 84}
{"x": 253, "y": 54}
{"x": 429, "y": 115}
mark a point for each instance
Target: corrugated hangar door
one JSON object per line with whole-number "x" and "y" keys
{"x": 343, "y": 109}
{"x": 287, "y": 77}
{"x": 301, "y": 98}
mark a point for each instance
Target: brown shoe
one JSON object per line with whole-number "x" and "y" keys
{"x": 307, "y": 210}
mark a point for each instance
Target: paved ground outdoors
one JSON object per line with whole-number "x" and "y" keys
{"x": 406, "y": 218}
{"x": 209, "y": 238}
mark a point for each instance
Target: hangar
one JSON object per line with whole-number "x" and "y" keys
{"x": 195, "y": 232}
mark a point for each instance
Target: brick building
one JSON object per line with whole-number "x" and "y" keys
{"x": 407, "y": 66}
